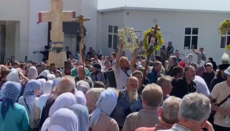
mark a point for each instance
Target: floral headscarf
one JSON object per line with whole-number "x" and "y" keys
{"x": 11, "y": 94}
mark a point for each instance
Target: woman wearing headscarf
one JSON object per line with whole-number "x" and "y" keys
{"x": 92, "y": 96}
{"x": 29, "y": 97}
{"x": 65, "y": 100}
{"x": 38, "y": 106}
{"x": 63, "y": 120}
{"x": 13, "y": 76}
{"x": 13, "y": 116}
{"x": 32, "y": 73}
{"x": 55, "y": 82}
{"x": 99, "y": 119}
{"x": 42, "y": 81}
{"x": 83, "y": 116}
{"x": 80, "y": 98}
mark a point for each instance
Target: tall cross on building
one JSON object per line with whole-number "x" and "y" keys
{"x": 56, "y": 16}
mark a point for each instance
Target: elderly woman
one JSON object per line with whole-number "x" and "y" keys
{"x": 92, "y": 96}
{"x": 13, "y": 116}
{"x": 38, "y": 106}
{"x": 100, "y": 119}
{"x": 32, "y": 73}
{"x": 83, "y": 116}
{"x": 63, "y": 120}
{"x": 80, "y": 98}
{"x": 29, "y": 97}
{"x": 65, "y": 100}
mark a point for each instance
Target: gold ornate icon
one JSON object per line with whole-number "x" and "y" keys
{"x": 128, "y": 37}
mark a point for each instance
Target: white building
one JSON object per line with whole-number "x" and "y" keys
{"x": 184, "y": 22}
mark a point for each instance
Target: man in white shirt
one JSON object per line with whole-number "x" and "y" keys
{"x": 122, "y": 68}
{"x": 201, "y": 86}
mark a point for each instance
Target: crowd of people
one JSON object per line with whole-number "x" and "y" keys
{"x": 113, "y": 93}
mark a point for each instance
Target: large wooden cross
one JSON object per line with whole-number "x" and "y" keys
{"x": 57, "y": 16}
{"x": 81, "y": 19}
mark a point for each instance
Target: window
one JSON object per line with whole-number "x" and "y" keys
{"x": 225, "y": 40}
{"x": 191, "y": 38}
{"x": 112, "y": 36}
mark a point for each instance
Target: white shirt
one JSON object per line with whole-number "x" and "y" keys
{"x": 121, "y": 77}
{"x": 201, "y": 86}
{"x": 219, "y": 93}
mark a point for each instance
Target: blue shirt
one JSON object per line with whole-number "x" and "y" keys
{"x": 152, "y": 76}
{"x": 124, "y": 107}
{"x": 15, "y": 119}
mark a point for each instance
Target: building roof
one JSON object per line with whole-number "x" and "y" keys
{"x": 219, "y": 6}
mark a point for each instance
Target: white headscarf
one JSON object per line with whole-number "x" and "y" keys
{"x": 13, "y": 76}
{"x": 47, "y": 87}
{"x": 105, "y": 104}
{"x": 44, "y": 73}
{"x": 32, "y": 73}
{"x": 42, "y": 81}
{"x": 51, "y": 77}
{"x": 63, "y": 120}
{"x": 80, "y": 98}
{"x": 65, "y": 100}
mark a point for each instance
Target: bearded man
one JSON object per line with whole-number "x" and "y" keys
{"x": 128, "y": 101}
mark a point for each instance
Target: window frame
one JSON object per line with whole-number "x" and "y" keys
{"x": 226, "y": 40}
{"x": 191, "y": 35}
{"x": 113, "y": 33}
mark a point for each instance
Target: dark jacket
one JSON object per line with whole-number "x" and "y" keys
{"x": 208, "y": 77}
{"x": 152, "y": 76}
{"x": 182, "y": 88}
{"x": 215, "y": 81}
{"x": 170, "y": 71}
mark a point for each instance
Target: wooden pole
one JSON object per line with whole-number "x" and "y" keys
{"x": 81, "y": 20}
{"x": 82, "y": 46}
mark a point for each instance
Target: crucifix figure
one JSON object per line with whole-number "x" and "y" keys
{"x": 81, "y": 19}
{"x": 57, "y": 16}
{"x": 152, "y": 36}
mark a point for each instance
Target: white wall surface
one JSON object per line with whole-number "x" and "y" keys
{"x": 15, "y": 10}
{"x": 175, "y": 22}
{"x": 89, "y": 9}
{"x": 115, "y": 18}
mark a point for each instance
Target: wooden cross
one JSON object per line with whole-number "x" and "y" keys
{"x": 81, "y": 19}
{"x": 155, "y": 29}
{"x": 57, "y": 16}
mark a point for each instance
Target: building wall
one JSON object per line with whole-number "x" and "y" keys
{"x": 115, "y": 18}
{"x": 173, "y": 25}
{"x": 89, "y": 9}
{"x": 14, "y": 10}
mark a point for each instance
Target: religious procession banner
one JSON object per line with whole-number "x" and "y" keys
{"x": 128, "y": 37}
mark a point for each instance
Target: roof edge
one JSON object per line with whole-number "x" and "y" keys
{"x": 160, "y": 9}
